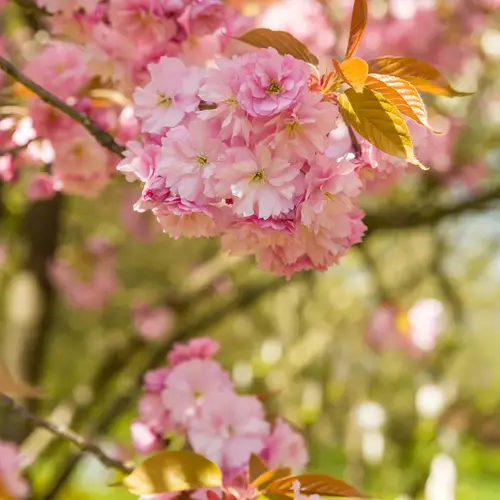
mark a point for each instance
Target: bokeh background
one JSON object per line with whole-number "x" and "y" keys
{"x": 389, "y": 362}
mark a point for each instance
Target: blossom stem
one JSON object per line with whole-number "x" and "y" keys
{"x": 101, "y": 136}
{"x": 65, "y": 433}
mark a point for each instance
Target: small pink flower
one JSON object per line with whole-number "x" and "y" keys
{"x": 80, "y": 165}
{"x": 285, "y": 447}
{"x": 206, "y": 16}
{"x": 187, "y": 385}
{"x": 169, "y": 96}
{"x": 303, "y": 130}
{"x": 260, "y": 182}
{"x": 187, "y": 159}
{"x": 229, "y": 429}
{"x": 12, "y": 484}
{"x": 60, "y": 68}
{"x": 144, "y": 439}
{"x": 202, "y": 348}
{"x": 152, "y": 323}
{"x": 153, "y": 413}
{"x": 271, "y": 83}
{"x": 144, "y": 21}
{"x": 41, "y": 187}
{"x": 154, "y": 380}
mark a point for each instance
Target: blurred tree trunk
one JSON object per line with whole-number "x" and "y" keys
{"x": 30, "y": 305}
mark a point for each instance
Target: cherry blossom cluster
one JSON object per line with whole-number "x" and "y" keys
{"x": 12, "y": 484}
{"x": 258, "y": 167}
{"x": 120, "y": 37}
{"x": 194, "y": 397}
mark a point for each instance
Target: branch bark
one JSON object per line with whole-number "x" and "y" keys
{"x": 67, "y": 434}
{"x": 100, "y": 135}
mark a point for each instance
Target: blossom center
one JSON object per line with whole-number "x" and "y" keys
{"x": 293, "y": 126}
{"x": 258, "y": 176}
{"x": 163, "y": 100}
{"x": 231, "y": 102}
{"x": 274, "y": 88}
{"x": 202, "y": 160}
{"x": 330, "y": 196}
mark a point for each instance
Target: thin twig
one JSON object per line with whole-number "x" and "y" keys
{"x": 101, "y": 136}
{"x": 15, "y": 150}
{"x": 67, "y": 434}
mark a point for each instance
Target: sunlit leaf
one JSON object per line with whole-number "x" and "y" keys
{"x": 402, "y": 94}
{"x": 315, "y": 484}
{"x": 270, "y": 476}
{"x": 282, "y": 41}
{"x": 421, "y": 75}
{"x": 256, "y": 468}
{"x": 358, "y": 24}
{"x": 353, "y": 71}
{"x": 378, "y": 121}
{"x": 11, "y": 386}
{"x": 173, "y": 471}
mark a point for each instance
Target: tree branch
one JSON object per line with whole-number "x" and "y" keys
{"x": 101, "y": 136}
{"x": 67, "y": 434}
{"x": 427, "y": 216}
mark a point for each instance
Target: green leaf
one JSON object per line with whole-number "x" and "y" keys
{"x": 378, "y": 121}
{"x": 421, "y": 75}
{"x": 171, "y": 471}
{"x": 282, "y": 41}
{"x": 315, "y": 484}
{"x": 358, "y": 24}
{"x": 402, "y": 94}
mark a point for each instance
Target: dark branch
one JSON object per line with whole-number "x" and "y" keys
{"x": 65, "y": 433}
{"x": 101, "y": 136}
{"x": 401, "y": 219}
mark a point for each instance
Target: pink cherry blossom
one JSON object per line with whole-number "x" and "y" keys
{"x": 80, "y": 165}
{"x": 303, "y": 130}
{"x": 187, "y": 159}
{"x": 271, "y": 83}
{"x": 190, "y": 385}
{"x": 145, "y": 21}
{"x": 152, "y": 323}
{"x": 229, "y": 429}
{"x": 89, "y": 280}
{"x": 305, "y": 20}
{"x": 260, "y": 182}
{"x": 144, "y": 439}
{"x": 41, "y": 187}
{"x": 199, "y": 348}
{"x": 206, "y": 16}
{"x": 11, "y": 483}
{"x": 60, "y": 68}
{"x": 154, "y": 380}
{"x": 285, "y": 447}
{"x": 153, "y": 414}
{"x": 170, "y": 95}
{"x": 179, "y": 217}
